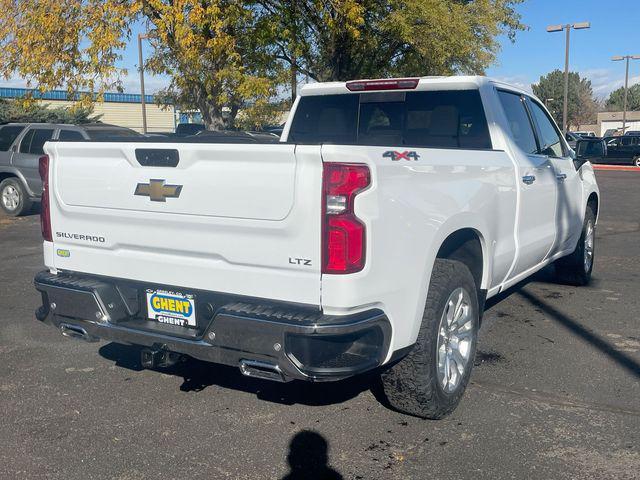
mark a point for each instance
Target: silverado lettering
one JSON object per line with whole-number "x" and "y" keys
{"x": 78, "y": 236}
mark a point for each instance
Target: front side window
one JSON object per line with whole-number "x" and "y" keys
{"x": 436, "y": 119}
{"x": 550, "y": 141}
{"x": 8, "y": 135}
{"x": 518, "y": 120}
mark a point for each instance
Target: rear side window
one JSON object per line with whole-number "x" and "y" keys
{"x": 40, "y": 137}
{"x": 8, "y": 135}
{"x": 519, "y": 123}
{"x": 70, "y": 135}
{"x": 25, "y": 144}
{"x": 34, "y": 140}
{"x": 438, "y": 119}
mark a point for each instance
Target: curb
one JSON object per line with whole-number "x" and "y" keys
{"x": 620, "y": 168}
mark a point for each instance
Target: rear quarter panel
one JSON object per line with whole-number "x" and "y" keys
{"x": 409, "y": 210}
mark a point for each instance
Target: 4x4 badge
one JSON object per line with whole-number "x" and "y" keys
{"x": 406, "y": 155}
{"x": 157, "y": 191}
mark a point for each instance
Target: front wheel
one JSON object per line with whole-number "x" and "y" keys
{"x": 636, "y": 161}
{"x": 430, "y": 380}
{"x": 576, "y": 268}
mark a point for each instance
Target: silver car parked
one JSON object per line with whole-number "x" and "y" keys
{"x": 20, "y": 149}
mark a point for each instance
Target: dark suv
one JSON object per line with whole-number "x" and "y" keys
{"x": 21, "y": 147}
{"x": 624, "y": 150}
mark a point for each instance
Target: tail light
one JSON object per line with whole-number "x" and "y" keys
{"x": 45, "y": 210}
{"x": 343, "y": 234}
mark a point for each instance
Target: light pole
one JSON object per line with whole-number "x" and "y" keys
{"x": 559, "y": 28}
{"x": 626, "y": 85}
{"x": 142, "y": 97}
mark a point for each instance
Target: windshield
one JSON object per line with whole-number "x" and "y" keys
{"x": 440, "y": 119}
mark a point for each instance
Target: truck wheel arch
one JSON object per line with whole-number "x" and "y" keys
{"x": 13, "y": 173}
{"x": 457, "y": 240}
{"x": 466, "y": 246}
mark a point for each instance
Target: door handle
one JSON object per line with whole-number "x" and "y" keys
{"x": 561, "y": 177}
{"x": 528, "y": 179}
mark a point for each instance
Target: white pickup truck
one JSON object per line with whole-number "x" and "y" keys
{"x": 369, "y": 238}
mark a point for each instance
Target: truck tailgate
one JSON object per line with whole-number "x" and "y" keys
{"x": 228, "y": 217}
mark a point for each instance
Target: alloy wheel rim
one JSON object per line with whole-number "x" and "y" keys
{"x": 588, "y": 246}
{"x": 10, "y": 197}
{"x": 455, "y": 340}
{"x": 637, "y": 161}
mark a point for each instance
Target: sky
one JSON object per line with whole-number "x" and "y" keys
{"x": 615, "y": 30}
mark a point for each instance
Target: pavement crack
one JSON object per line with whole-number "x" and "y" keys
{"x": 554, "y": 400}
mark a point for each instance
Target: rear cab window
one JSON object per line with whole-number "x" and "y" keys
{"x": 111, "y": 133}
{"x": 436, "y": 119}
{"x": 8, "y": 135}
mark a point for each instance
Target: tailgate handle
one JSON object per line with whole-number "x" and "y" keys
{"x": 157, "y": 157}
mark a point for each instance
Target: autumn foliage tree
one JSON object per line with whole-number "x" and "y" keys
{"x": 223, "y": 56}
{"x": 348, "y": 39}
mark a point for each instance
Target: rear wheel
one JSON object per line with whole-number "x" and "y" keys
{"x": 430, "y": 380}
{"x": 576, "y": 268}
{"x": 636, "y": 161}
{"x": 14, "y": 200}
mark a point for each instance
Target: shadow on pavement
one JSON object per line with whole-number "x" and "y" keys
{"x": 198, "y": 375}
{"x": 622, "y": 359}
{"x": 308, "y": 458}
{"x": 546, "y": 275}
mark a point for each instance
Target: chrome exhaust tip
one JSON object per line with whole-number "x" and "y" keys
{"x": 74, "y": 331}
{"x": 263, "y": 370}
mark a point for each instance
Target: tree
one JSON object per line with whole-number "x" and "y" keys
{"x": 224, "y": 56}
{"x": 582, "y": 108}
{"x": 212, "y": 50}
{"x": 64, "y": 43}
{"x": 347, "y": 39}
{"x": 215, "y": 52}
{"x": 31, "y": 112}
{"x": 615, "y": 102}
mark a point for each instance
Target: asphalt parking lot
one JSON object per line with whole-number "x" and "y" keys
{"x": 555, "y": 393}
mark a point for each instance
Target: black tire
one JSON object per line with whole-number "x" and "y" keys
{"x": 412, "y": 385}
{"x": 573, "y": 269}
{"x": 636, "y": 161}
{"x": 12, "y": 186}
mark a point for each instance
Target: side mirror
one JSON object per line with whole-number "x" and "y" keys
{"x": 589, "y": 149}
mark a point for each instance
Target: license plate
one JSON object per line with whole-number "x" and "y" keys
{"x": 173, "y": 308}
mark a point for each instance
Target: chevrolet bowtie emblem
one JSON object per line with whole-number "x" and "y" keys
{"x": 157, "y": 191}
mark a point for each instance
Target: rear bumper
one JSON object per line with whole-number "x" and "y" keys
{"x": 281, "y": 340}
